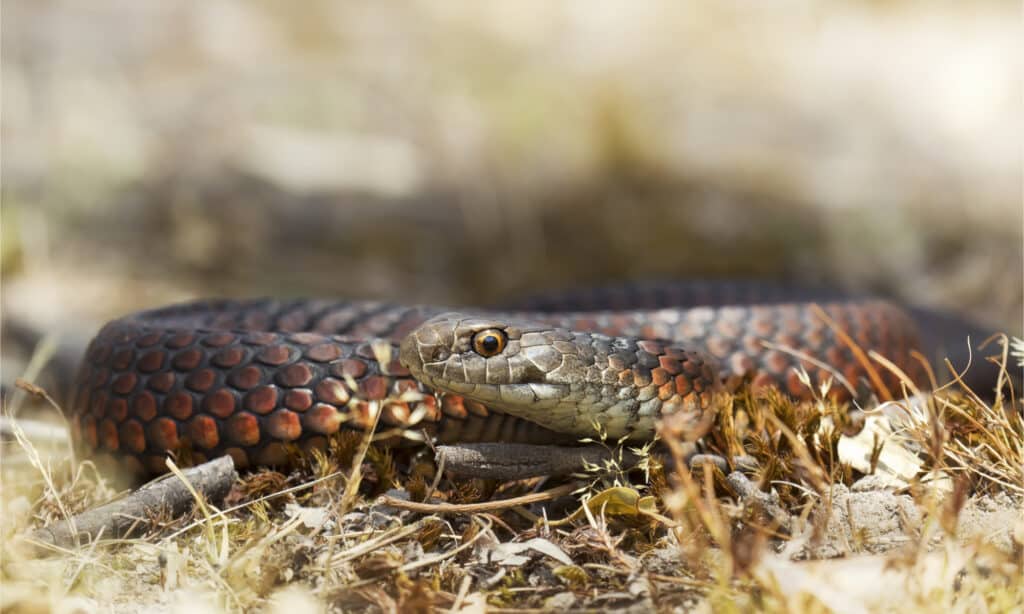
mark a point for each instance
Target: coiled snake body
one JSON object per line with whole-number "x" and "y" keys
{"x": 264, "y": 379}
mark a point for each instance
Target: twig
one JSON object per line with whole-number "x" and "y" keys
{"x": 470, "y": 508}
{"x": 44, "y": 351}
{"x": 35, "y": 430}
{"x": 430, "y": 560}
{"x": 119, "y": 518}
{"x": 441, "y": 460}
{"x": 899, "y": 373}
{"x": 426, "y": 561}
{"x": 352, "y": 485}
{"x": 513, "y": 461}
{"x": 378, "y": 542}
{"x": 467, "y": 582}
{"x": 223, "y": 513}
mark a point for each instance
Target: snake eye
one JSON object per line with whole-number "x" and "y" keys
{"x": 489, "y": 342}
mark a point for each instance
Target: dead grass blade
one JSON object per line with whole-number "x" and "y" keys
{"x": 858, "y": 352}
{"x": 472, "y": 508}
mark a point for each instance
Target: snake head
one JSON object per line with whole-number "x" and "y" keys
{"x": 568, "y": 381}
{"x": 477, "y": 356}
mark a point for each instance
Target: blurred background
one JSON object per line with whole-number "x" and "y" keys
{"x": 464, "y": 152}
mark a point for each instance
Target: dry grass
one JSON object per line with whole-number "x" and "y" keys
{"x": 951, "y": 538}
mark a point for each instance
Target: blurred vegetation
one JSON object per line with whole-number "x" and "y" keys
{"x": 466, "y": 153}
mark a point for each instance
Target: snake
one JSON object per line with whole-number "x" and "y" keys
{"x": 267, "y": 381}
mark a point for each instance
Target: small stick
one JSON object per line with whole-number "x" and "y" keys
{"x": 513, "y": 461}
{"x": 36, "y": 431}
{"x": 469, "y": 508}
{"x": 121, "y": 517}
{"x": 26, "y": 386}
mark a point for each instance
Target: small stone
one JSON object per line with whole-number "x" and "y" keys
{"x": 560, "y": 601}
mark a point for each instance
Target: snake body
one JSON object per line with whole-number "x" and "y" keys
{"x": 264, "y": 380}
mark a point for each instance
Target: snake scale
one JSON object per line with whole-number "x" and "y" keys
{"x": 264, "y": 380}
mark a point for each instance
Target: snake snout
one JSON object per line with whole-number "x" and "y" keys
{"x": 415, "y": 354}
{"x": 430, "y": 344}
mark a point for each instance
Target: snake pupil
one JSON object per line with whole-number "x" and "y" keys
{"x": 489, "y": 343}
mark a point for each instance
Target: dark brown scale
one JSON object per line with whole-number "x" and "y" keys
{"x": 284, "y": 425}
{"x": 189, "y": 359}
{"x": 273, "y": 454}
{"x": 161, "y": 382}
{"x": 261, "y": 400}
{"x": 298, "y": 400}
{"x": 200, "y": 380}
{"x": 245, "y": 378}
{"x": 260, "y": 338}
{"x": 108, "y": 435}
{"x": 373, "y": 388}
{"x": 217, "y": 340}
{"x": 365, "y": 351}
{"x": 132, "y": 437}
{"x": 323, "y": 418}
{"x": 98, "y": 353}
{"x": 123, "y": 359}
{"x": 395, "y": 414}
{"x": 477, "y": 408}
{"x": 117, "y": 409}
{"x": 350, "y": 367}
{"x": 180, "y": 340}
{"x": 99, "y": 404}
{"x": 453, "y": 407}
{"x": 204, "y": 432}
{"x": 229, "y": 357}
{"x": 659, "y": 377}
{"x": 220, "y": 403}
{"x": 243, "y": 429}
{"x": 294, "y": 375}
{"x": 162, "y": 434}
{"x": 178, "y": 405}
{"x": 124, "y": 383}
{"x": 332, "y": 392}
{"x": 149, "y": 340}
{"x": 323, "y": 352}
{"x": 144, "y": 406}
{"x": 395, "y": 368}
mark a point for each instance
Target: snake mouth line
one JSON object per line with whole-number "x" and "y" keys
{"x": 505, "y": 395}
{"x": 529, "y": 394}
